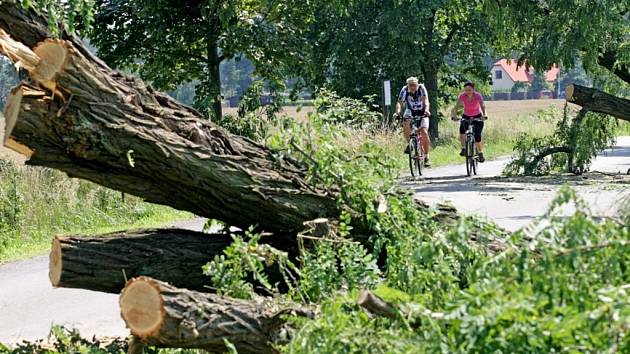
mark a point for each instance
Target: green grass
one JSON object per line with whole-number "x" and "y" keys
{"x": 37, "y": 203}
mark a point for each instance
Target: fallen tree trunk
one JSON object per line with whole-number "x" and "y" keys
{"x": 81, "y": 117}
{"x": 598, "y": 101}
{"x": 105, "y": 263}
{"x": 164, "y": 316}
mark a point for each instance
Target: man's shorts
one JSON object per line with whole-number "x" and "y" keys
{"x": 424, "y": 123}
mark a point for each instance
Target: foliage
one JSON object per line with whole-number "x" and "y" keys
{"x": 244, "y": 262}
{"x": 561, "y": 32}
{"x": 540, "y": 83}
{"x": 65, "y": 15}
{"x": 521, "y": 86}
{"x": 582, "y": 138}
{"x": 169, "y": 43}
{"x": 355, "y": 47}
{"x": 63, "y": 340}
{"x": 561, "y": 288}
{"x": 354, "y": 113}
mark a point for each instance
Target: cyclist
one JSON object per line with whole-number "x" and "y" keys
{"x": 474, "y": 107}
{"x": 414, "y": 96}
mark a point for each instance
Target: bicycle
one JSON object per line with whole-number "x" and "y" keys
{"x": 470, "y": 148}
{"x": 416, "y": 152}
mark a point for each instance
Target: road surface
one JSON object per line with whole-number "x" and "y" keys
{"x": 29, "y": 305}
{"x": 515, "y": 202}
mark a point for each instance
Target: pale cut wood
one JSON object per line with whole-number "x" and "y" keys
{"x": 164, "y": 316}
{"x": 21, "y": 55}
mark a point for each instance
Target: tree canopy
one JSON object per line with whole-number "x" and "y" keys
{"x": 171, "y": 42}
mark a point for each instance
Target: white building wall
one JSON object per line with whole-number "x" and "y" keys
{"x": 503, "y": 84}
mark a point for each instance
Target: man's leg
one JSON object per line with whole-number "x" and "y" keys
{"x": 406, "y": 133}
{"x": 406, "y": 130}
{"x": 426, "y": 141}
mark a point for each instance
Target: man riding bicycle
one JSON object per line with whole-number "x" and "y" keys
{"x": 475, "y": 112}
{"x": 414, "y": 96}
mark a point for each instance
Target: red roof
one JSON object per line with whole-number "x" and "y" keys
{"x": 521, "y": 73}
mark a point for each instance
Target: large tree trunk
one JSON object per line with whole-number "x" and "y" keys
{"x": 165, "y": 316}
{"x": 595, "y": 100}
{"x": 105, "y": 263}
{"x": 431, "y": 83}
{"x": 82, "y": 118}
{"x": 214, "y": 65}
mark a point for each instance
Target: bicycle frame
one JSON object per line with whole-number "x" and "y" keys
{"x": 416, "y": 151}
{"x": 472, "y": 156}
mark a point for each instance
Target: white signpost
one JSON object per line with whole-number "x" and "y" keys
{"x": 387, "y": 101}
{"x": 387, "y": 87}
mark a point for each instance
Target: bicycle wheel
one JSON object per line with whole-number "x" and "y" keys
{"x": 419, "y": 156}
{"x": 469, "y": 159}
{"x": 413, "y": 166}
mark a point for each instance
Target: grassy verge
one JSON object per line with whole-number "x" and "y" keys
{"x": 36, "y": 204}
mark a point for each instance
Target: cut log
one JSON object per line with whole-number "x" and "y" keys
{"x": 598, "y": 101}
{"x": 81, "y": 117}
{"x": 165, "y": 316}
{"x": 105, "y": 263}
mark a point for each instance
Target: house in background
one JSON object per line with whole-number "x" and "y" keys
{"x": 506, "y": 74}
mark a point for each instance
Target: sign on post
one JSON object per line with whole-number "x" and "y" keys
{"x": 387, "y": 88}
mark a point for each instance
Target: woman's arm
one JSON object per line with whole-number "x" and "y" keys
{"x": 482, "y": 105}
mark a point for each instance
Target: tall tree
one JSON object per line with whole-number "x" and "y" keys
{"x": 356, "y": 47}
{"x": 549, "y": 32}
{"x": 169, "y": 42}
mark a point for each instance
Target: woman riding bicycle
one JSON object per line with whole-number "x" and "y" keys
{"x": 475, "y": 112}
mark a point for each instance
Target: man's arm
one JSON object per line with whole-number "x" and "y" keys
{"x": 427, "y": 104}
{"x": 399, "y": 104}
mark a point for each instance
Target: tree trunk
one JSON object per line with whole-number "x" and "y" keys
{"x": 598, "y": 101}
{"x": 609, "y": 59}
{"x": 214, "y": 70}
{"x": 165, "y": 316}
{"x": 431, "y": 83}
{"x": 104, "y": 263}
{"x": 90, "y": 122}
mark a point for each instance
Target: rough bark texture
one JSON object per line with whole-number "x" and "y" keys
{"x": 598, "y": 101}
{"x": 103, "y": 126}
{"x": 609, "y": 59}
{"x": 165, "y": 316}
{"x": 105, "y": 263}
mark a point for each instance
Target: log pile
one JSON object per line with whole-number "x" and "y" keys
{"x": 75, "y": 114}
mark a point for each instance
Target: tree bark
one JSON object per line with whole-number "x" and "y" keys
{"x": 598, "y": 101}
{"x": 609, "y": 59}
{"x": 431, "y": 83}
{"x": 90, "y": 122}
{"x": 105, "y": 263}
{"x": 214, "y": 64}
{"x": 164, "y": 316}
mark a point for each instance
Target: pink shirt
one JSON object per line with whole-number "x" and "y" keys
{"x": 471, "y": 107}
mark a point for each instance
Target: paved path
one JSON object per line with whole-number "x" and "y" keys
{"x": 29, "y": 305}
{"x": 514, "y": 202}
